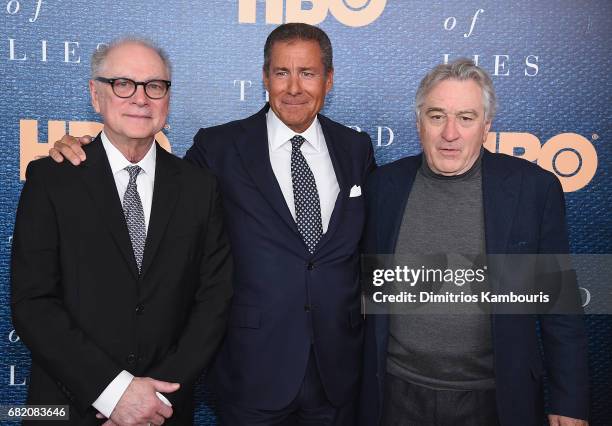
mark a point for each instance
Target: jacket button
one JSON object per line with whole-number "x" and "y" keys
{"x": 139, "y": 310}
{"x": 307, "y": 308}
{"x": 310, "y": 266}
{"x": 131, "y": 359}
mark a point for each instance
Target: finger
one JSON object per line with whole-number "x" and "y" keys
{"x": 553, "y": 420}
{"x": 156, "y": 419}
{"x": 85, "y": 140}
{"x": 165, "y": 411}
{"x": 67, "y": 152}
{"x": 74, "y": 144}
{"x": 68, "y": 140}
{"x": 163, "y": 399}
{"x": 108, "y": 423}
{"x": 165, "y": 387}
{"x": 100, "y": 416}
{"x": 55, "y": 155}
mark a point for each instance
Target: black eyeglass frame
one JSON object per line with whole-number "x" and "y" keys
{"x": 144, "y": 84}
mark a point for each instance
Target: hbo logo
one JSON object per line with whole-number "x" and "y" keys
{"x": 353, "y": 13}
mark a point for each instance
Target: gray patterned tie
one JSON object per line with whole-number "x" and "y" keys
{"x": 134, "y": 215}
{"x": 305, "y": 196}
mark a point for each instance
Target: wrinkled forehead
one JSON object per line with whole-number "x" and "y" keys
{"x": 455, "y": 95}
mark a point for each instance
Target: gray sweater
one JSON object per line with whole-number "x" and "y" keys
{"x": 444, "y": 215}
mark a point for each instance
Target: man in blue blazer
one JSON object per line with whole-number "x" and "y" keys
{"x": 292, "y": 352}
{"x": 457, "y": 197}
{"x": 291, "y": 182}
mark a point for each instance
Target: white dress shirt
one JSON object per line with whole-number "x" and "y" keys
{"x": 145, "y": 178}
{"x": 317, "y": 156}
{"x": 111, "y": 395}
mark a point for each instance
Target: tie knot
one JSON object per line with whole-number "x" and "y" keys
{"x": 297, "y": 141}
{"x": 133, "y": 171}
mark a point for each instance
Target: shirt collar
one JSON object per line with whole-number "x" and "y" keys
{"x": 118, "y": 162}
{"x": 279, "y": 133}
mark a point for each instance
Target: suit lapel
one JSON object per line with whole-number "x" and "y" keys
{"x": 500, "y": 195}
{"x": 98, "y": 179}
{"x": 392, "y": 202}
{"x": 340, "y": 158}
{"x": 392, "y": 197}
{"x": 166, "y": 191}
{"x": 500, "y": 192}
{"x": 252, "y": 146}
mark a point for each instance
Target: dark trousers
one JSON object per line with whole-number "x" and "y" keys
{"x": 309, "y": 408}
{"x": 407, "y": 404}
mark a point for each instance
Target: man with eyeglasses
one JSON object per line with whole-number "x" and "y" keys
{"x": 121, "y": 269}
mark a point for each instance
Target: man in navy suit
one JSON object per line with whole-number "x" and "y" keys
{"x": 291, "y": 182}
{"x": 458, "y": 198}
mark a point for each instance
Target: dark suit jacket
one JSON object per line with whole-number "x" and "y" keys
{"x": 524, "y": 212}
{"x": 285, "y": 298}
{"x": 78, "y": 302}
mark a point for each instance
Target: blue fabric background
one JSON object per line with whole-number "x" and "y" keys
{"x": 378, "y": 68}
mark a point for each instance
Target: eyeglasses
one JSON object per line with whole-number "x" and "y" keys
{"x": 125, "y": 88}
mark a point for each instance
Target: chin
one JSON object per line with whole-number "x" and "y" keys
{"x": 447, "y": 168}
{"x": 291, "y": 118}
{"x": 292, "y": 124}
{"x": 141, "y": 135}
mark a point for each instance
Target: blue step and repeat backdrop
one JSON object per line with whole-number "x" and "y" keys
{"x": 550, "y": 62}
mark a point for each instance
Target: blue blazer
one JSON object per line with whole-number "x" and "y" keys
{"x": 524, "y": 211}
{"x": 285, "y": 299}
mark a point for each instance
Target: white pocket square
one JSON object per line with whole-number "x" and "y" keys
{"x": 355, "y": 191}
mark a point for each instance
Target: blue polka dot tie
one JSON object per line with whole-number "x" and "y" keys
{"x": 305, "y": 197}
{"x": 134, "y": 215}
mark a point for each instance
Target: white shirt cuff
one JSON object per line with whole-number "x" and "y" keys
{"x": 109, "y": 398}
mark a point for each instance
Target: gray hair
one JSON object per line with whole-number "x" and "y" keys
{"x": 100, "y": 54}
{"x": 462, "y": 69}
{"x": 299, "y": 31}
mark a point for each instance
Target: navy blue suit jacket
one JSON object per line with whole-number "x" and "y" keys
{"x": 524, "y": 211}
{"x": 285, "y": 299}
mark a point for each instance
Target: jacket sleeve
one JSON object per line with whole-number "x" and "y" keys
{"x": 563, "y": 335}
{"x": 199, "y": 153}
{"x": 370, "y": 163}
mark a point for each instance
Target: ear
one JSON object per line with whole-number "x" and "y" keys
{"x": 266, "y": 80}
{"x": 95, "y": 96}
{"x": 485, "y": 134}
{"x": 329, "y": 81}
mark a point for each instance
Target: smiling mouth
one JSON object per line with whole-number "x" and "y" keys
{"x": 294, "y": 102}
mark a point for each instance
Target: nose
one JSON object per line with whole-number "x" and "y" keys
{"x": 140, "y": 97}
{"x": 450, "y": 132}
{"x": 294, "y": 86}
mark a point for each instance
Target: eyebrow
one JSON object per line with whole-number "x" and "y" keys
{"x": 442, "y": 110}
{"x": 299, "y": 69}
{"x": 156, "y": 77}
